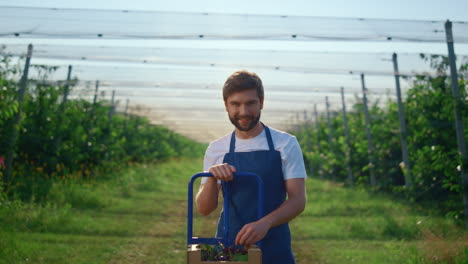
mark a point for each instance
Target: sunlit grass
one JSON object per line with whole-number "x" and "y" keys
{"x": 344, "y": 225}
{"x": 92, "y": 222}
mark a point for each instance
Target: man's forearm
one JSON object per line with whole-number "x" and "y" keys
{"x": 207, "y": 197}
{"x": 287, "y": 211}
{"x": 255, "y": 231}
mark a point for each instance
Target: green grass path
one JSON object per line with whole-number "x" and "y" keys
{"x": 137, "y": 217}
{"x": 140, "y": 217}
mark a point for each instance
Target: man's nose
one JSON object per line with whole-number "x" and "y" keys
{"x": 243, "y": 110}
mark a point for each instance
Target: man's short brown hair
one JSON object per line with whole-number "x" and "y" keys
{"x": 241, "y": 81}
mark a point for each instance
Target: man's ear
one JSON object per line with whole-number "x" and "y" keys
{"x": 261, "y": 103}
{"x": 225, "y": 105}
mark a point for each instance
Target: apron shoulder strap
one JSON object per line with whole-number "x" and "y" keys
{"x": 232, "y": 146}
{"x": 269, "y": 139}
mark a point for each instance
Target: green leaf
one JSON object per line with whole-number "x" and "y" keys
{"x": 241, "y": 258}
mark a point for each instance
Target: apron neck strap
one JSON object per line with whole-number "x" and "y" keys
{"x": 232, "y": 146}
{"x": 268, "y": 136}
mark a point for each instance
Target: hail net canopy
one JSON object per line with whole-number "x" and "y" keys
{"x": 139, "y": 55}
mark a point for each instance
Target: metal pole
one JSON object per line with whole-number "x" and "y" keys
{"x": 61, "y": 109}
{"x": 308, "y": 134}
{"x": 109, "y": 122}
{"x": 126, "y": 117}
{"x": 67, "y": 84}
{"x": 348, "y": 145}
{"x": 330, "y": 135}
{"x": 317, "y": 127}
{"x": 88, "y": 142}
{"x": 112, "y": 108}
{"x": 125, "y": 127}
{"x": 126, "y": 108}
{"x": 370, "y": 146}
{"x": 401, "y": 118}
{"x": 91, "y": 112}
{"x": 306, "y": 126}
{"x": 305, "y": 118}
{"x": 96, "y": 93}
{"x": 298, "y": 124}
{"x": 458, "y": 120}
{"x": 14, "y": 137}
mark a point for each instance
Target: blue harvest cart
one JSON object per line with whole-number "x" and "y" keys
{"x": 193, "y": 249}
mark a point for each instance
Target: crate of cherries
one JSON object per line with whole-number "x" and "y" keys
{"x": 214, "y": 254}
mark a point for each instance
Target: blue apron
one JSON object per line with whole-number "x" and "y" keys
{"x": 276, "y": 245}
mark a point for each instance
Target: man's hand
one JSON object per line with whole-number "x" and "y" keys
{"x": 288, "y": 210}
{"x": 223, "y": 172}
{"x": 252, "y": 233}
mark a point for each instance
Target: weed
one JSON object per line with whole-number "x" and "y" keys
{"x": 395, "y": 230}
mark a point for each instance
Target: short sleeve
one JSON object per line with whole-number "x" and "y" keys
{"x": 211, "y": 158}
{"x": 293, "y": 160}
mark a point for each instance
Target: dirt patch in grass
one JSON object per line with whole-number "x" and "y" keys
{"x": 436, "y": 248}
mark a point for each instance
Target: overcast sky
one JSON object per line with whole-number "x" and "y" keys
{"x": 397, "y": 9}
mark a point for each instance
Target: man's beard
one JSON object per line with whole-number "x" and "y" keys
{"x": 253, "y": 122}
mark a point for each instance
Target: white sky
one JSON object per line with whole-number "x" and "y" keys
{"x": 455, "y": 10}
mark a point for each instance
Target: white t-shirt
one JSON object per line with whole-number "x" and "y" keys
{"x": 291, "y": 154}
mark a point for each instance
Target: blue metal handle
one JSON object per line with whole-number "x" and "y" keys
{"x": 226, "y": 188}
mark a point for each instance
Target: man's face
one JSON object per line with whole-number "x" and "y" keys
{"x": 244, "y": 109}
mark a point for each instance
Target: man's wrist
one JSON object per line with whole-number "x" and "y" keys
{"x": 267, "y": 222}
{"x": 211, "y": 180}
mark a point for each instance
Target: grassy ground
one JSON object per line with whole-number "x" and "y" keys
{"x": 140, "y": 217}
{"x": 342, "y": 225}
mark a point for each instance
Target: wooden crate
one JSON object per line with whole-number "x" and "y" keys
{"x": 194, "y": 256}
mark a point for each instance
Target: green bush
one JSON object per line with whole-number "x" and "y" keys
{"x": 74, "y": 139}
{"x": 431, "y": 137}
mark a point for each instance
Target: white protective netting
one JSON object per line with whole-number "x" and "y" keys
{"x": 181, "y": 86}
{"x": 87, "y": 23}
